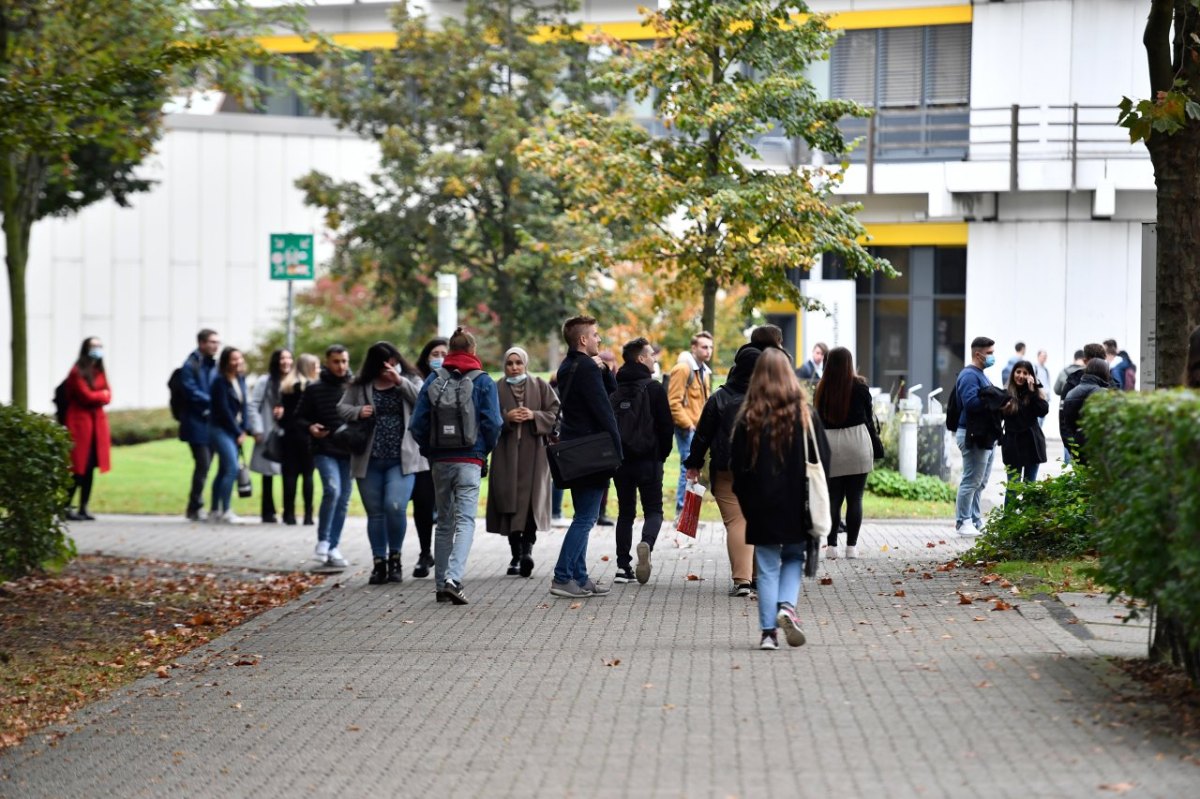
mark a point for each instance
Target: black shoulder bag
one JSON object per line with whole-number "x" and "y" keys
{"x": 579, "y": 457}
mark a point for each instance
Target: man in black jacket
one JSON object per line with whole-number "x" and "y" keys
{"x": 584, "y": 385}
{"x": 644, "y": 422}
{"x": 317, "y": 415}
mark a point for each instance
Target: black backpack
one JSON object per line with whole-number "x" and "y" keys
{"x": 179, "y": 397}
{"x": 60, "y": 403}
{"x": 953, "y": 409}
{"x": 635, "y": 420}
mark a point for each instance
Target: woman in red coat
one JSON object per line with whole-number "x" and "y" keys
{"x": 87, "y": 394}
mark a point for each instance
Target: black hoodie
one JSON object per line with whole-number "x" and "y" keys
{"x": 318, "y": 405}
{"x": 715, "y": 428}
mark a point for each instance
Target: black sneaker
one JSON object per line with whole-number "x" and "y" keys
{"x": 604, "y": 521}
{"x": 740, "y": 589}
{"x": 454, "y": 593}
{"x": 514, "y": 567}
{"x": 424, "y": 561}
{"x": 442, "y": 596}
{"x": 378, "y": 573}
{"x": 395, "y": 572}
{"x": 624, "y": 576}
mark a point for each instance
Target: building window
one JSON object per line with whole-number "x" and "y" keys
{"x": 918, "y": 80}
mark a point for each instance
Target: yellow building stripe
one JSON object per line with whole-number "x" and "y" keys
{"x": 918, "y": 234}
{"x": 636, "y": 31}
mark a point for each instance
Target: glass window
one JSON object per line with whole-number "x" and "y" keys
{"x": 891, "y": 342}
{"x": 899, "y": 259}
{"x": 950, "y": 270}
{"x": 948, "y": 65}
{"x": 854, "y": 67}
{"x": 901, "y": 57}
{"x": 950, "y": 331}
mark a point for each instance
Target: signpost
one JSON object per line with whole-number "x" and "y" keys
{"x": 291, "y": 260}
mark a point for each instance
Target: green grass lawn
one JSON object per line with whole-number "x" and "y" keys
{"x": 1050, "y": 576}
{"x": 153, "y": 478}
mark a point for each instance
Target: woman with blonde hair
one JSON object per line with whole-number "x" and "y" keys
{"x": 774, "y": 436}
{"x": 297, "y": 452}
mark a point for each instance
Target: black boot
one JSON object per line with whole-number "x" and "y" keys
{"x": 378, "y": 573}
{"x": 514, "y": 546}
{"x": 526, "y": 558}
{"x": 424, "y": 561}
{"x": 394, "y": 572}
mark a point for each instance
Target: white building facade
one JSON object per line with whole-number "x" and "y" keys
{"x": 993, "y": 176}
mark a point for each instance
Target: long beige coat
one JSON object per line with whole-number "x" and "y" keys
{"x": 519, "y": 476}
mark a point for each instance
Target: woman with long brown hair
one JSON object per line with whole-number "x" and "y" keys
{"x": 87, "y": 394}
{"x": 843, "y": 402}
{"x": 773, "y": 437}
{"x": 1023, "y": 447}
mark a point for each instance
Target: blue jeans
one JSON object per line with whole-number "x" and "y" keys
{"x": 556, "y": 496}
{"x": 780, "y": 569}
{"x": 977, "y": 467}
{"x": 226, "y": 448}
{"x": 385, "y": 493}
{"x": 572, "y": 558}
{"x": 683, "y": 443}
{"x": 335, "y": 497}
{"x": 457, "y": 488}
{"x": 1020, "y": 474}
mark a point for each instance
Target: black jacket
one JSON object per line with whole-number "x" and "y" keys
{"x": 984, "y": 429}
{"x": 1024, "y": 444}
{"x": 1076, "y": 378}
{"x": 1071, "y": 409}
{"x": 660, "y": 407}
{"x": 862, "y": 409}
{"x": 583, "y": 389}
{"x": 318, "y": 405}
{"x": 228, "y": 411}
{"x": 715, "y": 428}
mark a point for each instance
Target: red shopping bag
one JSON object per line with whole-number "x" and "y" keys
{"x": 689, "y": 517}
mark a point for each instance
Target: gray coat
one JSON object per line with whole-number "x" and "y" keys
{"x": 350, "y": 407}
{"x": 261, "y": 420}
{"x": 519, "y": 479}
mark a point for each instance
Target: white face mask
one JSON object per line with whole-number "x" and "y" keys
{"x": 517, "y": 380}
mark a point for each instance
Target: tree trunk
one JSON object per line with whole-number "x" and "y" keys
{"x": 1177, "y": 271}
{"x": 17, "y": 222}
{"x": 709, "y": 319}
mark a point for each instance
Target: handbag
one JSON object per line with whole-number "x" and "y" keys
{"x": 579, "y": 457}
{"x": 818, "y": 490}
{"x": 354, "y": 436}
{"x": 273, "y": 445}
{"x": 876, "y": 442}
{"x": 245, "y": 488}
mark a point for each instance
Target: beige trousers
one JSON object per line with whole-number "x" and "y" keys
{"x": 741, "y": 554}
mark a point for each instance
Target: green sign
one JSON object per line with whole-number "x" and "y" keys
{"x": 291, "y": 256}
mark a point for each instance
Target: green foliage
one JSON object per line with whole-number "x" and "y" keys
{"x": 1046, "y": 519}
{"x": 448, "y": 107}
{"x": 141, "y": 425}
{"x": 1145, "y": 456}
{"x": 689, "y": 205}
{"x": 890, "y": 483}
{"x": 1169, "y": 112}
{"x": 35, "y": 476}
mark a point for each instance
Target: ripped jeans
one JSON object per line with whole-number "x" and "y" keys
{"x": 385, "y": 492}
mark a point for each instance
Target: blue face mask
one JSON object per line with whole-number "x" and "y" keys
{"x": 96, "y": 354}
{"x": 516, "y": 381}
{"x": 989, "y": 361}
{"x": 436, "y": 363}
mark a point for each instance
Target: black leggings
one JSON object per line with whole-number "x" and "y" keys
{"x": 849, "y": 489}
{"x": 424, "y": 502}
{"x": 84, "y": 482}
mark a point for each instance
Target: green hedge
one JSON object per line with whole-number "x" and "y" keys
{"x": 890, "y": 483}
{"x": 1144, "y": 452}
{"x": 1046, "y": 519}
{"x": 35, "y": 476}
{"x": 140, "y": 426}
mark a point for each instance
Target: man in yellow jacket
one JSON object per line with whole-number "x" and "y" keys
{"x": 688, "y": 386}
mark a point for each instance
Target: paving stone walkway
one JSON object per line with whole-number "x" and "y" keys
{"x": 654, "y": 691}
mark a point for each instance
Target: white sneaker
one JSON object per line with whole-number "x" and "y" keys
{"x": 321, "y": 553}
{"x": 851, "y": 552}
{"x": 831, "y": 553}
{"x": 336, "y": 559}
{"x": 968, "y": 531}
{"x": 560, "y": 521}
{"x": 229, "y": 517}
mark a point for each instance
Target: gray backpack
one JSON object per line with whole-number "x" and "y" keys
{"x": 452, "y": 398}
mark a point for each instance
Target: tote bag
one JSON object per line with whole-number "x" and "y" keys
{"x": 818, "y": 490}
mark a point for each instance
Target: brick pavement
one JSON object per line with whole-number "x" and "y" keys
{"x": 362, "y": 688}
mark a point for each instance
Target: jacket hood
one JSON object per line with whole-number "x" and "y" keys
{"x": 743, "y": 366}
{"x": 329, "y": 377}
{"x": 633, "y": 372}
{"x": 462, "y": 362}
{"x": 1094, "y": 380}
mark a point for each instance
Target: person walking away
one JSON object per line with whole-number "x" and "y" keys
{"x": 1095, "y": 378}
{"x": 318, "y": 415}
{"x": 196, "y": 377}
{"x": 1023, "y": 447}
{"x": 297, "y": 466}
{"x": 518, "y": 501}
{"x": 775, "y": 433}
{"x": 585, "y": 384}
{"x": 644, "y": 422}
{"x": 456, "y": 423}
{"x": 227, "y": 429}
{"x": 712, "y": 438}
{"x": 1118, "y": 362}
{"x": 688, "y": 386}
{"x": 87, "y": 393}
{"x": 263, "y": 413}
{"x": 975, "y": 434}
{"x": 424, "y": 499}
{"x": 382, "y": 396}
{"x": 1019, "y": 355}
{"x": 843, "y": 404}
{"x": 814, "y": 367}
{"x": 1060, "y": 388}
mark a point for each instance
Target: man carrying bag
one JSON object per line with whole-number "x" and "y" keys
{"x": 585, "y": 385}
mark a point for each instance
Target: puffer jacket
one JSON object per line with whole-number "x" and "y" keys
{"x": 318, "y": 405}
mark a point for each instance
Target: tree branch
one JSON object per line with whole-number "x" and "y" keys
{"x": 1157, "y": 40}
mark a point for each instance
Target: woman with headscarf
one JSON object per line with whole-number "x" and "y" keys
{"x": 518, "y": 503}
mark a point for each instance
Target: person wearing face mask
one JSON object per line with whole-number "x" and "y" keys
{"x": 424, "y": 499}
{"x": 518, "y": 502}
{"x": 977, "y": 433}
{"x": 87, "y": 393}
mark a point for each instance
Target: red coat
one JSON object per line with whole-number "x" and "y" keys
{"x": 86, "y": 418}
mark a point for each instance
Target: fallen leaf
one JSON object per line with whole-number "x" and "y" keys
{"x": 941, "y": 542}
{"x": 694, "y": 577}
{"x": 162, "y": 672}
{"x": 926, "y": 576}
{"x": 984, "y": 684}
{"x": 900, "y": 593}
{"x": 988, "y": 579}
{"x": 407, "y": 621}
{"x": 827, "y": 580}
{"x": 246, "y": 661}
{"x": 647, "y": 685}
{"x": 575, "y": 606}
{"x": 1000, "y": 604}
{"x": 353, "y": 728}
{"x": 542, "y": 605}
{"x": 1116, "y": 787}
{"x": 964, "y": 599}
{"x": 236, "y": 706}
{"x": 981, "y": 618}
{"x": 604, "y": 558}
{"x": 613, "y": 662}
{"x": 1005, "y": 584}
{"x": 884, "y": 548}
{"x": 930, "y": 545}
